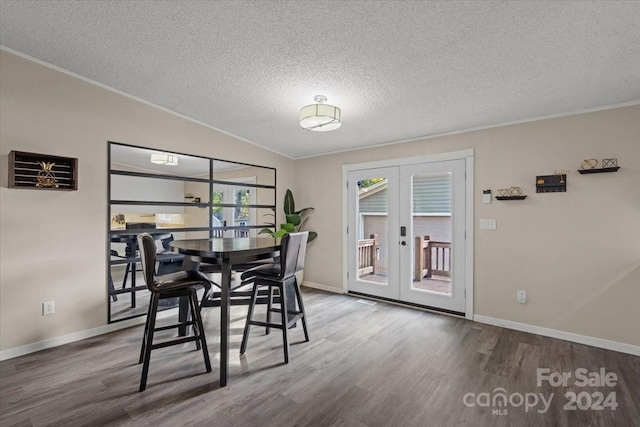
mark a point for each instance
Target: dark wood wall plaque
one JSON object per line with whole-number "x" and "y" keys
{"x": 42, "y": 171}
{"x": 551, "y": 183}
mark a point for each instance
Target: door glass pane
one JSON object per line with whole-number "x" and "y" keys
{"x": 431, "y": 224}
{"x": 373, "y": 245}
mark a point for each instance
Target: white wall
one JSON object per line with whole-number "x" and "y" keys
{"x": 53, "y": 245}
{"x": 576, "y": 253}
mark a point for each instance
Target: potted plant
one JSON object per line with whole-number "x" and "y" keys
{"x": 295, "y": 222}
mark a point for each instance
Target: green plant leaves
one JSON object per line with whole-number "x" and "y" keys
{"x": 289, "y": 204}
{"x": 301, "y": 211}
{"x": 279, "y": 233}
{"x": 294, "y": 219}
{"x": 289, "y": 228}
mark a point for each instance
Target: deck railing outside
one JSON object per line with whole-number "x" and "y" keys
{"x": 431, "y": 257}
{"x": 368, "y": 255}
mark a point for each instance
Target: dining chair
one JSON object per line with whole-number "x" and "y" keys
{"x": 168, "y": 261}
{"x": 281, "y": 277}
{"x": 114, "y": 253}
{"x": 129, "y": 252}
{"x": 112, "y": 289}
{"x": 178, "y": 284}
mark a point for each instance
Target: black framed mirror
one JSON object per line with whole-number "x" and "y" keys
{"x": 175, "y": 196}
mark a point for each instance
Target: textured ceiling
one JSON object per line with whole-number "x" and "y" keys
{"x": 398, "y": 69}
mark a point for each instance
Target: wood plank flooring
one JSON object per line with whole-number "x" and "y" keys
{"x": 366, "y": 365}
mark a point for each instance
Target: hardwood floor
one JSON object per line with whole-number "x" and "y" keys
{"x": 366, "y": 365}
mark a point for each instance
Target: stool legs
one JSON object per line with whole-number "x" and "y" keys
{"x": 283, "y": 310}
{"x": 146, "y": 330}
{"x": 150, "y": 328}
{"x": 191, "y": 315}
{"x": 304, "y": 314}
{"x": 269, "y": 308}
{"x": 247, "y": 324}
{"x": 112, "y": 289}
{"x": 285, "y": 321}
{"x": 202, "y": 342}
{"x": 151, "y": 322}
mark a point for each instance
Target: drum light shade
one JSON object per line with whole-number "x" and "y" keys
{"x": 320, "y": 117}
{"x": 164, "y": 159}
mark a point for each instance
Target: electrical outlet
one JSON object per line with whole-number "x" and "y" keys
{"x": 48, "y": 307}
{"x": 521, "y": 297}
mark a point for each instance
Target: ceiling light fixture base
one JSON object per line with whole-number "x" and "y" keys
{"x": 165, "y": 159}
{"x": 320, "y": 117}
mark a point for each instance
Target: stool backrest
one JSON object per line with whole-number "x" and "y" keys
{"x": 289, "y": 251}
{"x": 147, "y": 247}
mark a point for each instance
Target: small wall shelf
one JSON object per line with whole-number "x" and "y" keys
{"x": 511, "y": 197}
{"x": 599, "y": 170}
{"x": 42, "y": 172}
{"x": 551, "y": 183}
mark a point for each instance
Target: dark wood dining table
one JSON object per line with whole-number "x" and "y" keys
{"x": 226, "y": 252}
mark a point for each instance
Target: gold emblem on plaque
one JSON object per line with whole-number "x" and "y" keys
{"x": 46, "y": 176}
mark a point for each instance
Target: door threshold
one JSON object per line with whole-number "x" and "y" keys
{"x": 408, "y": 304}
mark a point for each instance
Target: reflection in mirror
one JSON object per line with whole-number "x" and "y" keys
{"x": 127, "y": 187}
{"x": 234, "y": 172}
{"x": 136, "y": 159}
{"x": 178, "y": 197}
{"x": 240, "y": 197}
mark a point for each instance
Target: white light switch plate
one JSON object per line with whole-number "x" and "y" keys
{"x": 487, "y": 224}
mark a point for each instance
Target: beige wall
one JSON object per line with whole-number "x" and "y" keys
{"x": 53, "y": 243}
{"x": 577, "y": 254}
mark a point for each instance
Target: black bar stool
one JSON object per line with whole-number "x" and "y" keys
{"x": 179, "y": 284}
{"x": 280, "y": 276}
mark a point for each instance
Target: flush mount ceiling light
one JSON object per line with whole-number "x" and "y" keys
{"x": 164, "y": 159}
{"x": 320, "y": 117}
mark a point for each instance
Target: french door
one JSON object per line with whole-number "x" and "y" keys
{"x": 406, "y": 233}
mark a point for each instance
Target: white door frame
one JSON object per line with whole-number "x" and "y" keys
{"x": 455, "y": 170}
{"x": 391, "y": 288}
{"x": 454, "y": 155}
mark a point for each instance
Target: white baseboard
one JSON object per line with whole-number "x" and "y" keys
{"x": 323, "y": 287}
{"x": 77, "y": 336}
{"x": 567, "y": 336}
